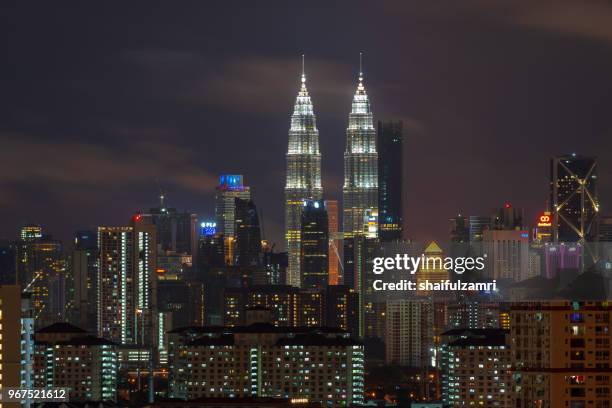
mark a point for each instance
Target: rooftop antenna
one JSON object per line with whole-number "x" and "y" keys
{"x": 161, "y": 194}
{"x": 303, "y": 70}
{"x": 361, "y": 66}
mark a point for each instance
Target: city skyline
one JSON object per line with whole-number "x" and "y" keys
{"x": 167, "y": 112}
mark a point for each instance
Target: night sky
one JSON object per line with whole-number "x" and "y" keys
{"x": 102, "y": 103}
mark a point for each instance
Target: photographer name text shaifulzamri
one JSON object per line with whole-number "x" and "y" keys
{"x": 411, "y": 264}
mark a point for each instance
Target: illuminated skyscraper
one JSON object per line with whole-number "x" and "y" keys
{"x": 230, "y": 187}
{"x": 360, "y": 191}
{"x": 573, "y": 193}
{"x": 41, "y": 270}
{"x": 126, "y": 282}
{"x": 303, "y": 175}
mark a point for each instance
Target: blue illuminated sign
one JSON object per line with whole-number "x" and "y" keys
{"x": 230, "y": 180}
{"x": 208, "y": 228}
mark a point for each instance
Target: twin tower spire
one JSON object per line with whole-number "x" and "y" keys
{"x": 303, "y": 182}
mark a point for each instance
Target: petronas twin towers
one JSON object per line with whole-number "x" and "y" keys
{"x": 360, "y": 190}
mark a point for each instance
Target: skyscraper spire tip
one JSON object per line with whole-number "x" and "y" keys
{"x": 360, "y": 66}
{"x": 303, "y": 70}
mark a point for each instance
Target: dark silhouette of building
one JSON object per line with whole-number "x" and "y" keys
{"x": 8, "y": 262}
{"x": 84, "y": 275}
{"x": 507, "y": 218}
{"x": 460, "y": 230}
{"x": 176, "y": 231}
{"x": 248, "y": 233}
{"x": 342, "y": 308}
{"x": 390, "y": 141}
{"x": 315, "y": 245}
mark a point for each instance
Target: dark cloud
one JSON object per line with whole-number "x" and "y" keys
{"x": 98, "y": 102}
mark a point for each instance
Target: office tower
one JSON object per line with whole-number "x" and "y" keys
{"x": 359, "y": 253}
{"x": 303, "y": 175}
{"x": 10, "y": 337}
{"x": 432, "y": 269}
{"x": 543, "y": 230}
{"x": 317, "y": 365}
{"x": 342, "y": 308}
{"x": 604, "y": 230}
{"x": 476, "y": 367}
{"x": 507, "y": 218}
{"x": 41, "y": 270}
{"x": 561, "y": 354}
{"x": 573, "y": 194}
{"x": 248, "y": 233}
{"x": 335, "y": 242}
{"x": 8, "y": 264}
{"x": 507, "y": 254}
{"x": 30, "y": 232}
{"x": 230, "y": 187}
{"x": 360, "y": 190}
{"x": 314, "y": 245}
{"x": 173, "y": 266}
{"x": 409, "y": 332}
{"x": 460, "y": 229}
{"x": 478, "y": 224}
{"x": 390, "y": 149}
{"x": 84, "y": 258}
{"x": 176, "y": 231}
{"x": 560, "y": 257}
{"x": 67, "y": 357}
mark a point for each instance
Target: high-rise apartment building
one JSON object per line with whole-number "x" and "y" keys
{"x": 561, "y": 354}
{"x": 360, "y": 190}
{"x": 409, "y": 332}
{"x": 390, "y": 171}
{"x": 260, "y": 360}
{"x": 303, "y": 176}
{"x": 342, "y": 308}
{"x": 10, "y": 338}
{"x": 115, "y": 297}
{"x": 476, "y": 366}
{"x": 127, "y": 282}
{"x": 574, "y": 197}
{"x": 67, "y": 357}
{"x": 314, "y": 245}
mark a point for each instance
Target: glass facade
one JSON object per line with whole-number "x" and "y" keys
{"x": 360, "y": 190}
{"x": 303, "y": 176}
